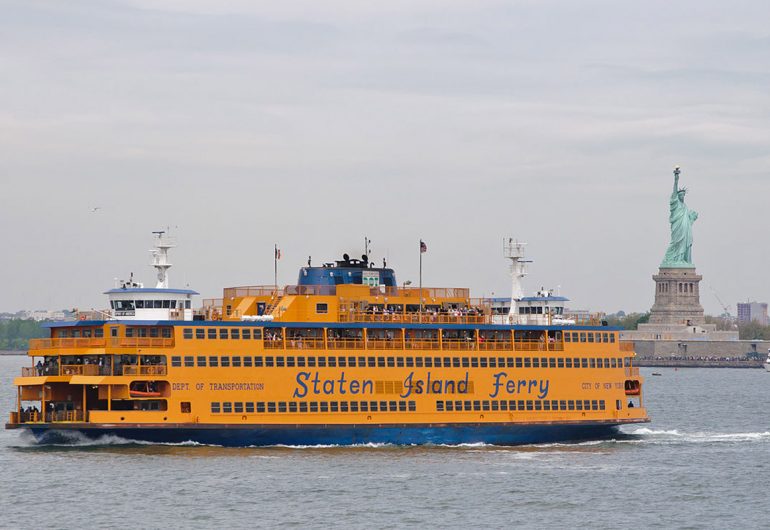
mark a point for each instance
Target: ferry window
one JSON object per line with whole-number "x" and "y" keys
{"x": 184, "y": 407}
{"x": 235, "y": 333}
{"x": 176, "y": 361}
{"x": 239, "y": 408}
{"x": 418, "y": 362}
{"x": 582, "y": 337}
{"x": 483, "y": 362}
{"x": 579, "y": 405}
{"x": 187, "y": 304}
{"x": 465, "y": 362}
{"x": 342, "y": 362}
{"x": 257, "y": 334}
{"x": 314, "y": 406}
{"x": 129, "y": 333}
{"x": 269, "y": 362}
{"x": 154, "y": 333}
{"x": 98, "y": 333}
{"x": 225, "y": 361}
{"x": 527, "y": 362}
{"x": 450, "y": 406}
{"x": 612, "y": 337}
{"x": 364, "y": 406}
{"x": 567, "y": 337}
{"x": 372, "y": 406}
{"x": 213, "y": 361}
{"x": 186, "y": 333}
{"x": 301, "y": 362}
{"x": 503, "y": 405}
{"x": 247, "y": 362}
{"x": 322, "y": 308}
{"x": 592, "y": 363}
{"x": 292, "y": 406}
{"x": 440, "y": 406}
{"x": 546, "y": 405}
{"x": 222, "y": 333}
{"x": 260, "y": 406}
{"x": 552, "y": 362}
{"x": 437, "y": 362}
{"x": 189, "y": 361}
{"x": 311, "y": 362}
{"x": 258, "y": 362}
{"x": 495, "y": 405}
{"x": 290, "y": 362}
{"x": 590, "y": 337}
{"x": 538, "y": 405}
{"x": 381, "y": 362}
{"x": 343, "y": 406}
{"x": 584, "y": 363}
{"x": 282, "y": 406}
{"x": 354, "y": 406}
{"x": 370, "y": 362}
{"x": 332, "y": 362}
{"x": 455, "y": 362}
{"x": 324, "y": 406}
{"x": 474, "y": 362}
{"x": 246, "y": 334}
{"x": 212, "y": 333}
{"x": 391, "y": 362}
{"x": 165, "y": 333}
{"x": 618, "y": 404}
{"x": 333, "y": 407}
{"x": 271, "y": 406}
{"x": 428, "y": 362}
{"x": 568, "y": 362}
{"x": 361, "y": 362}
{"x": 412, "y": 406}
{"x": 627, "y": 362}
{"x": 227, "y": 407}
{"x": 236, "y": 362}
{"x": 571, "y": 404}
{"x": 215, "y": 408}
{"x": 303, "y": 406}
{"x": 535, "y": 362}
{"x": 140, "y": 304}
{"x": 477, "y": 405}
{"x": 393, "y": 406}
{"x": 400, "y": 362}
{"x": 594, "y": 405}
{"x": 509, "y": 362}
{"x": 605, "y": 337}
{"x": 519, "y": 362}
{"x": 114, "y": 332}
{"x": 384, "y": 406}
{"x": 279, "y": 361}
{"x": 562, "y": 404}
{"x": 560, "y": 362}
{"x": 321, "y": 361}
{"x": 529, "y": 404}
{"x": 352, "y": 362}
{"x": 249, "y": 407}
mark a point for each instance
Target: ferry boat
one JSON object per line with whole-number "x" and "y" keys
{"x": 344, "y": 356}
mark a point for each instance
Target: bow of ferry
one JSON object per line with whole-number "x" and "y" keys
{"x": 344, "y": 356}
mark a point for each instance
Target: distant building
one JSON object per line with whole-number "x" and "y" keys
{"x": 752, "y": 312}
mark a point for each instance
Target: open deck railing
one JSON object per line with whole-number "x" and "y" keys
{"x": 141, "y": 342}
{"x": 305, "y": 343}
{"x": 157, "y": 369}
{"x": 345, "y": 344}
{"x": 632, "y": 371}
{"x": 79, "y": 369}
{"x": 80, "y": 342}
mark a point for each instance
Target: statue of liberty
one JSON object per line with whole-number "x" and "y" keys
{"x": 679, "y": 252}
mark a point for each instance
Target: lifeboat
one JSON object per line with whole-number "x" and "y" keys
{"x": 144, "y": 389}
{"x": 633, "y": 388}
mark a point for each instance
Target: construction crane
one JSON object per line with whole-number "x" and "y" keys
{"x": 724, "y": 306}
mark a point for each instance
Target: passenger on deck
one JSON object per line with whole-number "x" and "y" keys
{"x": 39, "y": 367}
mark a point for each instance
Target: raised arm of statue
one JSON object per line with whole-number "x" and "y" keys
{"x": 676, "y": 181}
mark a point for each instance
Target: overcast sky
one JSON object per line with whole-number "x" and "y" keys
{"x": 311, "y": 124}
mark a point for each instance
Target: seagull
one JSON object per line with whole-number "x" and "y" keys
{"x": 97, "y": 208}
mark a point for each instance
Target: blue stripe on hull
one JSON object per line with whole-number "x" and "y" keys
{"x": 345, "y": 435}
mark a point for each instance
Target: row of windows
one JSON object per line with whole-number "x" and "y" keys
{"x": 398, "y": 362}
{"x": 588, "y": 336}
{"x": 223, "y": 333}
{"x": 522, "y": 405}
{"x": 259, "y": 407}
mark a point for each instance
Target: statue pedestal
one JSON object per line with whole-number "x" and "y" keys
{"x": 677, "y": 297}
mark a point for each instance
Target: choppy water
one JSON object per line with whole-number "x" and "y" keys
{"x": 704, "y": 462}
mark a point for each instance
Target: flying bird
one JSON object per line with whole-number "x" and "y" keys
{"x": 95, "y": 209}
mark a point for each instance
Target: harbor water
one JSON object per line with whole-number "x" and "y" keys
{"x": 703, "y": 462}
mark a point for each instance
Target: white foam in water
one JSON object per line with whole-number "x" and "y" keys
{"x": 675, "y": 436}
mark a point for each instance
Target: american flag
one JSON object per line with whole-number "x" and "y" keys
{"x": 423, "y": 247}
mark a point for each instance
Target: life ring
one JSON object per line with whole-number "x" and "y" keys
{"x": 83, "y": 317}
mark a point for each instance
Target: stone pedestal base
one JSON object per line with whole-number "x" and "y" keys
{"x": 677, "y": 298}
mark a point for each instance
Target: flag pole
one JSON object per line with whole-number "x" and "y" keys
{"x": 419, "y": 317}
{"x": 275, "y": 268}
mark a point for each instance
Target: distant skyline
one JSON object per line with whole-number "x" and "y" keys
{"x": 245, "y": 124}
